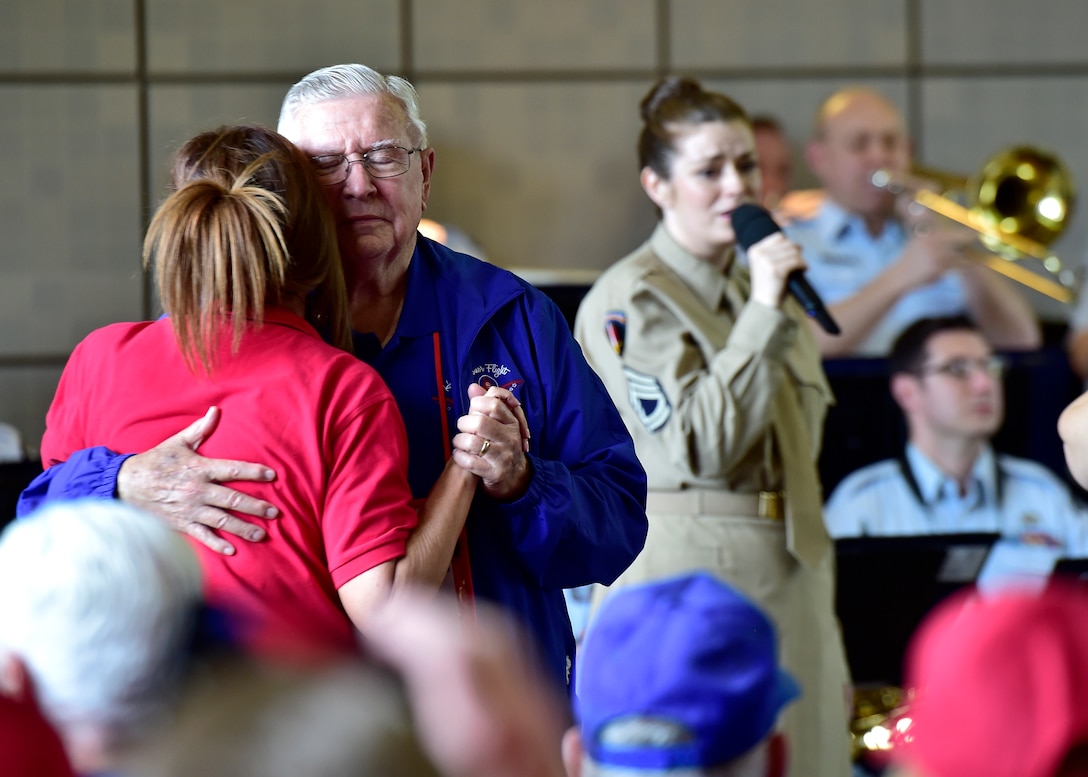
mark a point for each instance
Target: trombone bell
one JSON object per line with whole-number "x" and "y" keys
{"x": 1019, "y": 202}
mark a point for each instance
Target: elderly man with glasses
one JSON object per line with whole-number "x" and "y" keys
{"x": 482, "y": 365}
{"x": 947, "y": 381}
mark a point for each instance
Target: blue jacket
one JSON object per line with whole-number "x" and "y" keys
{"x": 582, "y": 519}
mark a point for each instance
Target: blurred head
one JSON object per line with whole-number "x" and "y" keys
{"x": 775, "y": 160}
{"x": 249, "y": 719}
{"x": 246, "y": 227}
{"x": 98, "y": 601}
{"x": 947, "y": 380}
{"x": 679, "y": 677}
{"x": 1000, "y": 684}
{"x": 351, "y": 111}
{"x": 857, "y": 131}
{"x": 1073, "y": 429}
{"x": 698, "y": 159}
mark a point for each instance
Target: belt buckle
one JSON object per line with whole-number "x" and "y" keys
{"x": 772, "y": 505}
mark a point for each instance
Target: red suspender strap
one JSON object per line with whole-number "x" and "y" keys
{"x": 460, "y": 565}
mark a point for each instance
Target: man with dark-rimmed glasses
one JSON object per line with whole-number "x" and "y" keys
{"x": 947, "y": 380}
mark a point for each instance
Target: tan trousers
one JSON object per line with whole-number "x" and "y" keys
{"x": 750, "y": 554}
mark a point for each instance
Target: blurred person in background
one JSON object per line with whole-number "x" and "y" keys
{"x": 98, "y": 606}
{"x": 998, "y": 687}
{"x": 1073, "y": 431}
{"x": 947, "y": 381}
{"x": 440, "y": 695}
{"x": 275, "y": 719}
{"x": 877, "y": 267}
{"x": 775, "y": 160}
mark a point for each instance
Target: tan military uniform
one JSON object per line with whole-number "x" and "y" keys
{"x": 725, "y": 400}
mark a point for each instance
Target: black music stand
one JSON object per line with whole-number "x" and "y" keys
{"x": 1074, "y": 570}
{"x": 887, "y": 585}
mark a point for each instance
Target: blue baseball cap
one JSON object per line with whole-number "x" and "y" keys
{"x": 688, "y": 650}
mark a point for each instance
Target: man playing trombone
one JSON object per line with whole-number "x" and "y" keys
{"x": 877, "y": 266}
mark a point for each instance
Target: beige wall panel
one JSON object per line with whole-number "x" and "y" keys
{"x": 541, "y": 175}
{"x": 25, "y": 396}
{"x": 967, "y": 120}
{"x": 177, "y": 112}
{"x": 69, "y": 214}
{"x": 1003, "y": 32}
{"x": 559, "y": 34}
{"x": 785, "y": 33}
{"x": 210, "y": 36}
{"x": 67, "y": 35}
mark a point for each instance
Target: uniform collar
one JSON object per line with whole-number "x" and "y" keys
{"x": 834, "y": 223}
{"x": 705, "y": 280}
{"x": 930, "y": 481}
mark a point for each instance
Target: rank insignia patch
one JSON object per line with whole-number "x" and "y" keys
{"x": 648, "y": 399}
{"x": 615, "y": 327}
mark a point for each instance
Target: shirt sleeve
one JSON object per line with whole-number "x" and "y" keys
{"x": 88, "y": 473}
{"x": 368, "y": 516}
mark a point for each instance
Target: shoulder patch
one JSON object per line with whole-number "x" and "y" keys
{"x": 615, "y": 327}
{"x": 648, "y": 399}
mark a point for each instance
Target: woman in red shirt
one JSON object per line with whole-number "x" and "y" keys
{"x": 248, "y": 273}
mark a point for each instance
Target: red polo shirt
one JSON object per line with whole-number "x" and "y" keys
{"x": 324, "y": 421}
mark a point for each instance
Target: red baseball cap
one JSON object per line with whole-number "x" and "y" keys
{"x": 1000, "y": 684}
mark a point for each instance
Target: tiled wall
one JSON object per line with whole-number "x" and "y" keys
{"x": 533, "y": 108}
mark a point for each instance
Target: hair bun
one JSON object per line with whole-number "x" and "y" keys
{"x": 669, "y": 88}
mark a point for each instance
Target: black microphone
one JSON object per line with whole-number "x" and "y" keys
{"x": 751, "y": 224}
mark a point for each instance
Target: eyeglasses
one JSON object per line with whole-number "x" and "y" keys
{"x": 962, "y": 369}
{"x": 387, "y": 162}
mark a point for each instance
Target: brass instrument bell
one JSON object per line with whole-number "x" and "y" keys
{"x": 1019, "y": 202}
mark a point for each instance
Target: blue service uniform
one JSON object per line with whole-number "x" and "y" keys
{"x": 1029, "y": 506}
{"x": 582, "y": 519}
{"x": 843, "y": 258}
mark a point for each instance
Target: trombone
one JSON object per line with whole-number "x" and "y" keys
{"x": 1019, "y": 203}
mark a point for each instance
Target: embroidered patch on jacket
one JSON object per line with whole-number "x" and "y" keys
{"x": 615, "y": 327}
{"x": 648, "y": 399}
{"x": 488, "y": 375}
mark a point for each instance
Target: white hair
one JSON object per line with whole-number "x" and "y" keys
{"x": 338, "y": 82}
{"x": 98, "y": 600}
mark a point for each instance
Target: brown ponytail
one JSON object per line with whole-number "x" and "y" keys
{"x": 247, "y": 226}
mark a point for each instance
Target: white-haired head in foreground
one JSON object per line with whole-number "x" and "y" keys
{"x": 98, "y": 601}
